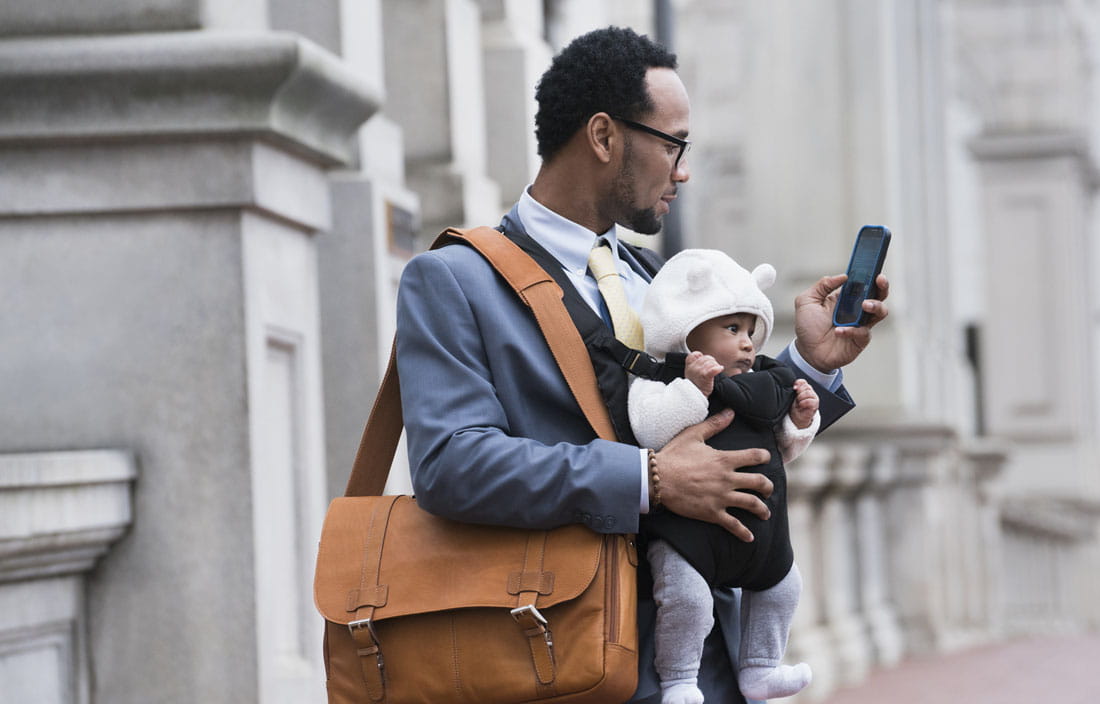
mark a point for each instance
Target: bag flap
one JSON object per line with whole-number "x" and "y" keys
{"x": 433, "y": 564}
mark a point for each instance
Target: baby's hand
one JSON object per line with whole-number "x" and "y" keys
{"x": 805, "y": 404}
{"x": 701, "y": 369}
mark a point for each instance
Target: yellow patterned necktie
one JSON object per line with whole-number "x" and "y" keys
{"x": 624, "y": 320}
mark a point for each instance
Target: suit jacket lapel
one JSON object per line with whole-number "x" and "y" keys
{"x": 631, "y": 257}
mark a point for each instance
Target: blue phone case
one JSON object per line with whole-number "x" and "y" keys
{"x": 864, "y": 266}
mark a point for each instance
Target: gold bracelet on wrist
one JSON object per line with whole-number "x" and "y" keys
{"x": 654, "y": 482}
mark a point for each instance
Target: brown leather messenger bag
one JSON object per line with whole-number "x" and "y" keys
{"x": 418, "y": 608}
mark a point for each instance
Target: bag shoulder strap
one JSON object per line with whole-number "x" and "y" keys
{"x": 538, "y": 290}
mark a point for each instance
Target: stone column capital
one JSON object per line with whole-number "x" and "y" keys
{"x": 61, "y": 511}
{"x": 276, "y": 86}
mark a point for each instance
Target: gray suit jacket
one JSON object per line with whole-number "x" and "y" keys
{"x": 495, "y": 437}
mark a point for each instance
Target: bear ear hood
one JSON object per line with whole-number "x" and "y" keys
{"x": 764, "y": 275}
{"x": 697, "y": 285}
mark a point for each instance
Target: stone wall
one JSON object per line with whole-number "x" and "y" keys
{"x": 161, "y": 196}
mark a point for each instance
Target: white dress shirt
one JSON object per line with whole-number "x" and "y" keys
{"x": 570, "y": 244}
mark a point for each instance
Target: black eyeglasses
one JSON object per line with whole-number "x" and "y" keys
{"x": 684, "y": 144}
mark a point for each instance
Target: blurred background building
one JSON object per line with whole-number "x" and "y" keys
{"x": 205, "y": 206}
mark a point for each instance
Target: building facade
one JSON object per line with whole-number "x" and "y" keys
{"x": 205, "y": 206}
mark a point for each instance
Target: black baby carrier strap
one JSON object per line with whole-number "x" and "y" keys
{"x": 611, "y": 359}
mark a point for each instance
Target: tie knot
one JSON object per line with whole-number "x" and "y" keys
{"x": 601, "y": 262}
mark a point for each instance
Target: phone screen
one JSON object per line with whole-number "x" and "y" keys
{"x": 865, "y": 265}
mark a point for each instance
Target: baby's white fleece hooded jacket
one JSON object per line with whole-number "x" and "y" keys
{"x": 694, "y": 286}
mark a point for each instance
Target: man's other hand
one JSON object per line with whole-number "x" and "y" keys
{"x": 826, "y": 347}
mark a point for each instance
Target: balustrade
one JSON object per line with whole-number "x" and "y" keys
{"x": 896, "y": 531}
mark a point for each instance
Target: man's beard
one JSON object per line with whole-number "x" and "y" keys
{"x": 644, "y": 221}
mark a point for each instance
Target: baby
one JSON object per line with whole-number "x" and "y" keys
{"x": 703, "y": 304}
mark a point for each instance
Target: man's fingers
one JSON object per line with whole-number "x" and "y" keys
{"x": 752, "y": 481}
{"x": 714, "y": 424}
{"x": 875, "y": 306}
{"x": 827, "y": 284}
{"x": 878, "y": 311}
{"x": 741, "y": 499}
{"x": 859, "y": 336}
{"x": 736, "y": 527}
{"x": 750, "y": 503}
{"x": 816, "y": 294}
{"x": 738, "y": 459}
{"x": 883, "y": 285}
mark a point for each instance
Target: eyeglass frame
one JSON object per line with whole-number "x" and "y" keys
{"x": 684, "y": 144}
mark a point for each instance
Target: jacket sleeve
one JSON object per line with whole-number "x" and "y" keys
{"x": 658, "y": 412}
{"x": 494, "y": 436}
{"x": 834, "y": 402}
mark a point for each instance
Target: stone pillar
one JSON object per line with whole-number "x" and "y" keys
{"x": 434, "y": 68}
{"x": 515, "y": 56}
{"x": 917, "y": 529}
{"x": 374, "y": 232}
{"x": 568, "y": 19}
{"x": 840, "y": 547}
{"x": 986, "y": 600}
{"x": 59, "y": 514}
{"x": 1037, "y": 193}
{"x": 715, "y": 204}
{"x": 962, "y": 554}
{"x": 1035, "y": 146}
{"x": 810, "y": 641}
{"x": 1035, "y": 151}
{"x": 375, "y": 222}
{"x": 158, "y": 196}
{"x": 876, "y": 604}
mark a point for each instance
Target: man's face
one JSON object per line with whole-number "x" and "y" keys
{"x": 648, "y": 179}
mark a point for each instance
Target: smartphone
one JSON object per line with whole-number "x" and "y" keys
{"x": 863, "y": 268}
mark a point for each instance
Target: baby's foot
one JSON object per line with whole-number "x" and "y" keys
{"x": 687, "y": 693}
{"x": 773, "y": 682}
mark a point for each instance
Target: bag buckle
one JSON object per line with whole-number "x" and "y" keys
{"x": 537, "y": 628}
{"x": 533, "y": 622}
{"x": 367, "y": 623}
{"x": 528, "y": 611}
{"x": 374, "y": 649}
{"x": 363, "y": 623}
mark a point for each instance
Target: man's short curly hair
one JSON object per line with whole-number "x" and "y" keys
{"x": 602, "y": 71}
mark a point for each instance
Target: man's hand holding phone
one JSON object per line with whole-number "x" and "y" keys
{"x": 820, "y": 343}
{"x": 826, "y": 343}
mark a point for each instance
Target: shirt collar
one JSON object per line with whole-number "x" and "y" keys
{"x": 567, "y": 241}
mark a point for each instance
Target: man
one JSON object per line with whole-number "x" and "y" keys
{"x": 494, "y": 434}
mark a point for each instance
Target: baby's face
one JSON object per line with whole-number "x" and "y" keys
{"x": 728, "y": 339}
